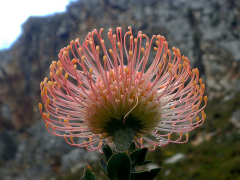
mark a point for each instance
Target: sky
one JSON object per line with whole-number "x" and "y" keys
{"x": 14, "y": 12}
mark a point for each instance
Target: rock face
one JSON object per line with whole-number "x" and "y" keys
{"x": 208, "y": 32}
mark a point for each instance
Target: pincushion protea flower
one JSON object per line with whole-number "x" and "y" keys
{"x": 103, "y": 99}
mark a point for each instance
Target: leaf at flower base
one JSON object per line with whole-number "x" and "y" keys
{"x": 138, "y": 157}
{"x": 103, "y": 166}
{"x": 147, "y": 162}
{"x": 145, "y": 175}
{"x": 88, "y": 174}
{"x": 132, "y": 148}
{"x": 118, "y": 167}
{"x": 107, "y": 151}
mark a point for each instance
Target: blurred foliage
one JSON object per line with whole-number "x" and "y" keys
{"x": 215, "y": 158}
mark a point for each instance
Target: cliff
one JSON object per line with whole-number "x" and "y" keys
{"x": 207, "y": 32}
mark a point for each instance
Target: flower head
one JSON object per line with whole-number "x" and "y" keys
{"x": 116, "y": 98}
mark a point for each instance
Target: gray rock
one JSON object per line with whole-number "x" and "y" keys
{"x": 235, "y": 119}
{"x": 175, "y": 158}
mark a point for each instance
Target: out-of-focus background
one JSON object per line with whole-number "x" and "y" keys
{"x": 207, "y": 32}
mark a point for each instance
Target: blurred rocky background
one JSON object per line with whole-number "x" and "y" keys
{"x": 207, "y": 32}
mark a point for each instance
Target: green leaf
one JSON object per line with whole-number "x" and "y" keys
{"x": 88, "y": 174}
{"x": 145, "y": 175}
{"x": 132, "y": 148}
{"x": 118, "y": 167}
{"x": 138, "y": 157}
{"x": 147, "y": 162}
{"x": 103, "y": 166}
{"x": 107, "y": 151}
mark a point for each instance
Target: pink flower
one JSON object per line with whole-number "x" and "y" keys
{"x": 103, "y": 98}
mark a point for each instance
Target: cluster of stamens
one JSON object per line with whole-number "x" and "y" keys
{"x": 97, "y": 96}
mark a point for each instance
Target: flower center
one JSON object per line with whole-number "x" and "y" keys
{"x": 123, "y": 106}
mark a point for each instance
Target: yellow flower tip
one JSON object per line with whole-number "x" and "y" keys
{"x": 97, "y": 48}
{"x": 75, "y": 67}
{"x": 118, "y": 44}
{"x": 111, "y": 73}
{"x": 66, "y": 121}
{"x": 205, "y": 98}
{"x": 41, "y": 85}
{"x": 143, "y": 50}
{"x": 179, "y": 67}
{"x": 65, "y": 53}
{"x": 57, "y": 73}
{"x": 51, "y": 75}
{"x": 194, "y": 83}
{"x": 183, "y": 57}
{"x": 204, "y": 117}
{"x": 83, "y": 58}
{"x": 48, "y": 101}
{"x": 170, "y": 70}
{"x": 40, "y": 106}
{"x": 164, "y": 57}
{"x": 80, "y": 49}
{"x": 104, "y": 58}
{"x": 60, "y": 70}
{"x": 178, "y": 54}
{"x": 90, "y": 139}
{"x": 194, "y": 71}
{"x": 54, "y": 63}
{"x": 48, "y": 115}
{"x": 66, "y": 76}
{"x": 91, "y": 71}
{"x": 174, "y": 49}
{"x": 126, "y": 70}
{"x": 187, "y": 135}
{"x": 71, "y": 139}
{"x": 102, "y": 41}
{"x": 160, "y": 66}
{"x": 45, "y": 89}
{"x": 130, "y": 54}
{"x": 51, "y": 67}
{"x": 184, "y": 64}
{"x": 175, "y": 76}
{"x": 190, "y": 120}
{"x": 155, "y": 48}
{"x": 169, "y": 136}
{"x": 68, "y": 47}
{"x": 197, "y": 118}
{"x": 111, "y": 51}
{"x": 45, "y": 80}
{"x": 180, "y": 133}
{"x": 197, "y": 72}
{"x": 50, "y": 84}
{"x": 74, "y": 61}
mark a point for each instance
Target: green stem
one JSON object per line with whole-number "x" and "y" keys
{"x": 123, "y": 139}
